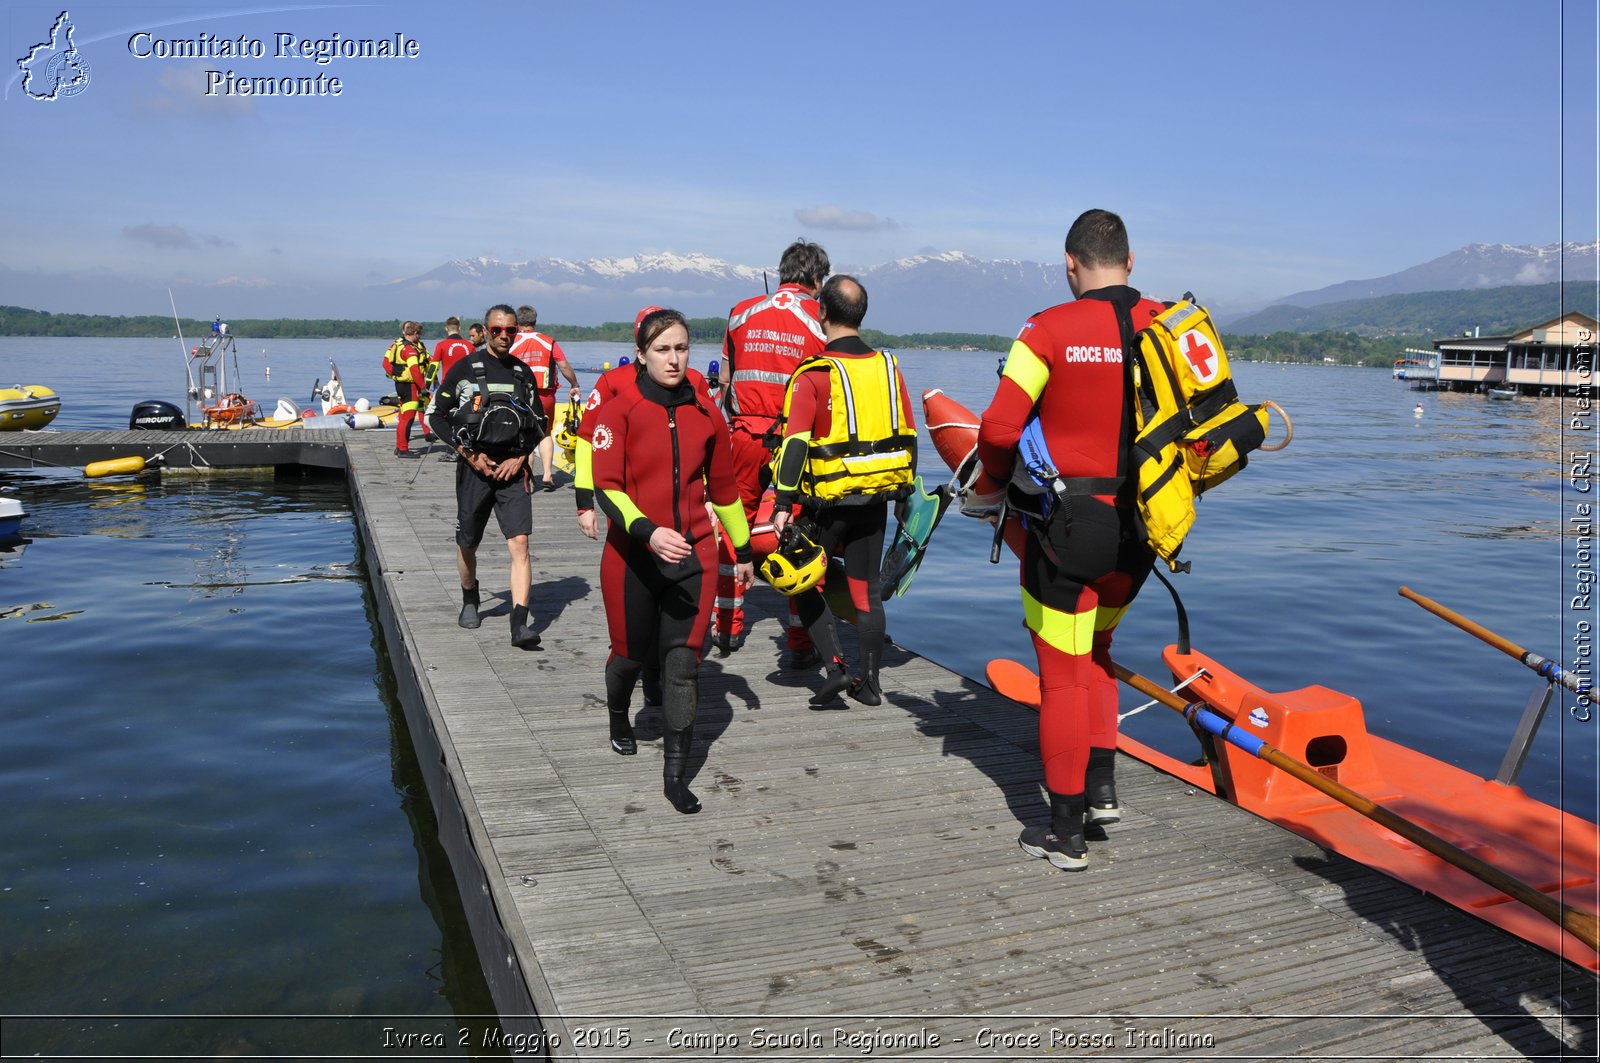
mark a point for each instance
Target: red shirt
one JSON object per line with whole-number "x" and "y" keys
{"x": 450, "y": 350}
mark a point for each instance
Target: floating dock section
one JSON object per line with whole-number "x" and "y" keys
{"x": 853, "y": 886}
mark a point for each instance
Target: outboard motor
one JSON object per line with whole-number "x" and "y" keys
{"x": 157, "y": 416}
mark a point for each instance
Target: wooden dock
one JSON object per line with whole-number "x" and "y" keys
{"x": 853, "y": 885}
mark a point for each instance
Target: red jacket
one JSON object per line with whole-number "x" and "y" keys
{"x": 768, "y": 336}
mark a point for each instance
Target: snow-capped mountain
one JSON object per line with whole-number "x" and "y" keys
{"x": 951, "y": 291}
{"x": 1473, "y": 266}
{"x": 948, "y": 291}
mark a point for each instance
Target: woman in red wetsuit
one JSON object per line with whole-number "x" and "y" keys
{"x": 660, "y": 453}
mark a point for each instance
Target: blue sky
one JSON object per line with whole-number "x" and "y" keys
{"x": 1266, "y": 147}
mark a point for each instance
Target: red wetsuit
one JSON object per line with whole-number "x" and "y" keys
{"x": 658, "y": 456}
{"x": 1082, "y": 569}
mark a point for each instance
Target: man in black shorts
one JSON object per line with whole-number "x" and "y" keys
{"x": 490, "y": 476}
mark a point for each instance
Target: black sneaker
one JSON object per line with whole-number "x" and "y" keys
{"x": 1039, "y": 842}
{"x": 1100, "y": 815}
{"x": 525, "y": 638}
{"x": 401, "y": 453}
{"x": 469, "y": 616}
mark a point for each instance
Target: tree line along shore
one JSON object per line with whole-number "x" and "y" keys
{"x": 20, "y": 321}
{"x": 1342, "y": 347}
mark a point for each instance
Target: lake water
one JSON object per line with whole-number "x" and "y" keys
{"x": 213, "y": 808}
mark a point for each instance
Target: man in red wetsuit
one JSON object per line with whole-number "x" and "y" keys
{"x": 767, "y": 337}
{"x": 1086, "y": 559}
{"x": 450, "y": 349}
{"x": 545, "y": 357}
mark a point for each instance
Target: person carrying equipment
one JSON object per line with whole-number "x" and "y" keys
{"x": 768, "y": 336}
{"x": 849, "y": 449}
{"x": 660, "y": 454}
{"x": 485, "y": 407}
{"x": 406, "y": 362}
{"x": 1065, "y": 399}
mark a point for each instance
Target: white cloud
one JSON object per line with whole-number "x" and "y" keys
{"x": 832, "y": 217}
{"x": 172, "y": 236}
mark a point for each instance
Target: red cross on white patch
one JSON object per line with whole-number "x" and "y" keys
{"x": 783, "y": 300}
{"x": 1199, "y": 354}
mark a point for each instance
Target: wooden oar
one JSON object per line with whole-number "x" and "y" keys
{"x": 1582, "y": 925}
{"x": 1542, "y": 666}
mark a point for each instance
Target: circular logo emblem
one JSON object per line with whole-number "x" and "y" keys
{"x": 602, "y": 438}
{"x": 68, "y": 72}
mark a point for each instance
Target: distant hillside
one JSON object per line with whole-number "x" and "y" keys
{"x": 1474, "y": 266}
{"x": 1492, "y": 311}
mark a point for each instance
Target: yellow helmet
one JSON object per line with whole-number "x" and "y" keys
{"x": 797, "y": 565}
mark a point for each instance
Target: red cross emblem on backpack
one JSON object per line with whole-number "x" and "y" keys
{"x": 1199, "y": 353}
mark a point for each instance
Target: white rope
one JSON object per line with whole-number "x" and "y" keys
{"x": 1140, "y": 708}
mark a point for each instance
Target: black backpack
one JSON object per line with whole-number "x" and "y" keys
{"x": 499, "y": 421}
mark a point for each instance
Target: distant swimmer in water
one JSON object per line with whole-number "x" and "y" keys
{"x": 1418, "y": 410}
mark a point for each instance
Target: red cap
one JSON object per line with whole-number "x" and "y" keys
{"x": 638, "y": 319}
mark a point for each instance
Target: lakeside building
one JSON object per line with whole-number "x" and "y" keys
{"x": 1555, "y": 357}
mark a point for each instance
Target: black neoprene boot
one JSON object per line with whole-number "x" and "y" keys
{"x": 622, "y": 740}
{"x": 864, "y": 687}
{"x": 621, "y": 675}
{"x": 676, "y": 745}
{"x": 469, "y": 607}
{"x": 523, "y": 636}
{"x": 1100, "y": 788}
{"x": 836, "y": 680}
{"x": 1062, "y": 842}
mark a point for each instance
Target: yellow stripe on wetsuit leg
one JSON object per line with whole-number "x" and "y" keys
{"x": 1071, "y": 633}
{"x": 1106, "y": 618}
{"x": 1026, "y": 369}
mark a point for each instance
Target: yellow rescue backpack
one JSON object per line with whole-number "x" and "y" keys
{"x": 1191, "y": 432}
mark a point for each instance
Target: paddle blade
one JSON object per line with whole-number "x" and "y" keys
{"x": 1015, "y": 681}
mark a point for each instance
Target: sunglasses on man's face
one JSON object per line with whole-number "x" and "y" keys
{"x": 502, "y": 330}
